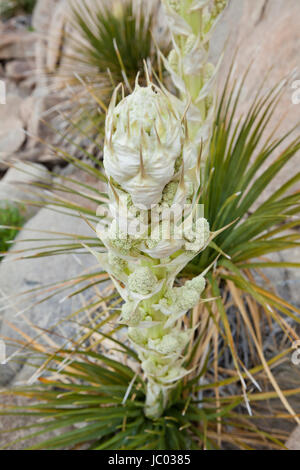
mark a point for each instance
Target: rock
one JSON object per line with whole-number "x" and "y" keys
{"x": 19, "y": 22}
{"x": 285, "y": 281}
{"x": 40, "y": 53}
{"x": 30, "y": 110}
{"x": 33, "y": 124}
{"x": 226, "y": 30}
{"x": 37, "y": 154}
{"x": 16, "y": 186}
{"x": 41, "y": 20}
{"x": 17, "y": 45}
{"x": 42, "y": 14}
{"x": 27, "y": 108}
{"x": 12, "y": 107}
{"x": 15, "y": 440}
{"x": 23, "y": 316}
{"x": 56, "y": 32}
{"x": 27, "y": 86}
{"x": 23, "y": 173}
{"x": 13, "y": 88}
{"x": 39, "y": 123}
{"x": 293, "y": 442}
{"x": 12, "y": 137}
{"x": 266, "y": 33}
{"x": 19, "y": 69}
{"x": 47, "y": 157}
{"x": 31, "y": 155}
{"x": 36, "y": 128}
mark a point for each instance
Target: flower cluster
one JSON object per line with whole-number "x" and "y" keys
{"x": 143, "y": 145}
{"x": 191, "y": 23}
{"x": 152, "y": 172}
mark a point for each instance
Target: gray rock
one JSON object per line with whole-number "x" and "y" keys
{"x": 12, "y": 135}
{"x": 19, "y": 69}
{"x": 286, "y": 281}
{"x": 17, "y": 45}
{"x": 226, "y": 29}
{"x": 25, "y": 316}
{"x": 42, "y": 14}
{"x": 17, "y": 186}
{"x": 293, "y": 442}
{"x": 41, "y": 20}
{"x": 266, "y": 34}
{"x": 18, "y": 424}
{"x": 39, "y": 154}
{"x": 27, "y": 108}
{"x": 56, "y": 33}
{"x": 39, "y": 107}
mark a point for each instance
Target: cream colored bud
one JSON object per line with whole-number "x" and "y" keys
{"x": 173, "y": 60}
{"x": 189, "y": 44}
{"x": 144, "y": 139}
{"x": 175, "y": 5}
{"x": 142, "y": 281}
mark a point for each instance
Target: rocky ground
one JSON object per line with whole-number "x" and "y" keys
{"x": 265, "y": 32}
{"x": 22, "y": 65}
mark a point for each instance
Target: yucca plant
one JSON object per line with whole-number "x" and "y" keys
{"x": 241, "y": 309}
{"x": 108, "y": 44}
{"x": 232, "y": 195}
{"x": 91, "y": 401}
{"x": 10, "y": 217}
{"x": 10, "y": 8}
{"x": 211, "y": 406}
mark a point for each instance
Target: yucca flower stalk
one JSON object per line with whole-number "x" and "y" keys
{"x": 191, "y": 24}
{"x": 156, "y": 229}
{"x": 152, "y": 158}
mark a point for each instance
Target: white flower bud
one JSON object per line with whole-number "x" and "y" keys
{"x": 131, "y": 315}
{"x": 197, "y": 234}
{"x": 198, "y": 283}
{"x": 118, "y": 264}
{"x": 171, "y": 343}
{"x": 144, "y": 139}
{"x": 218, "y": 7}
{"x": 138, "y": 336}
{"x": 122, "y": 242}
{"x": 189, "y": 44}
{"x": 209, "y": 70}
{"x": 142, "y": 281}
{"x": 182, "y": 299}
{"x": 175, "y": 4}
{"x": 173, "y": 60}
